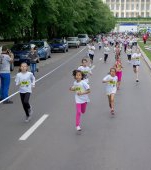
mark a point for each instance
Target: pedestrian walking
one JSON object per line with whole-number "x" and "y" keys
{"x": 86, "y": 70}
{"x": 5, "y": 59}
{"x": 26, "y": 81}
{"x": 136, "y": 62}
{"x": 81, "y": 89}
{"x": 100, "y": 45}
{"x": 111, "y": 87}
{"x": 33, "y": 56}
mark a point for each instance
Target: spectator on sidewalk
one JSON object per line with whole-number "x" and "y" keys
{"x": 5, "y": 59}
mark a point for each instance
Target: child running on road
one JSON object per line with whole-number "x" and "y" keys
{"x": 81, "y": 89}
{"x": 106, "y": 53}
{"x": 136, "y": 62}
{"x": 25, "y": 80}
{"x": 118, "y": 66}
{"x": 111, "y": 87}
{"x": 86, "y": 70}
{"x": 129, "y": 53}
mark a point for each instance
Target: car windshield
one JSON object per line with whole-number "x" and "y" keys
{"x": 81, "y": 36}
{"x": 72, "y": 39}
{"x": 57, "y": 41}
{"x": 21, "y": 47}
{"x": 38, "y": 43}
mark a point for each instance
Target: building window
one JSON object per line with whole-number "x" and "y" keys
{"x": 147, "y": 6}
{"x": 117, "y": 7}
{"x": 147, "y": 14}
{"x": 117, "y": 14}
{"x": 132, "y": 6}
{"x": 142, "y": 7}
{"x": 142, "y": 14}
{"x": 112, "y": 7}
{"x": 122, "y": 14}
{"x": 122, "y": 7}
{"x": 127, "y": 6}
{"x": 127, "y": 14}
{"x": 132, "y": 14}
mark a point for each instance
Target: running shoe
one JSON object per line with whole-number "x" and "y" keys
{"x": 112, "y": 112}
{"x": 137, "y": 80}
{"x": 28, "y": 118}
{"x": 78, "y": 128}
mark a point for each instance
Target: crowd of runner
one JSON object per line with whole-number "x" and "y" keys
{"x": 117, "y": 43}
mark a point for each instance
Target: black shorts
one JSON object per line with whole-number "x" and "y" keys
{"x": 91, "y": 56}
{"x": 134, "y": 66}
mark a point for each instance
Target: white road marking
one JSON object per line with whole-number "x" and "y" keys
{"x": 26, "y": 135}
{"x": 49, "y": 73}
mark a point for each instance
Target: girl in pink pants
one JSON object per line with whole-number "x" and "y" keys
{"x": 81, "y": 89}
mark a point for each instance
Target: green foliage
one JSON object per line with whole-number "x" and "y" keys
{"x": 36, "y": 19}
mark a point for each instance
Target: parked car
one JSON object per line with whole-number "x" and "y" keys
{"x": 84, "y": 39}
{"x": 73, "y": 42}
{"x": 44, "y": 50}
{"x": 59, "y": 45}
{"x": 21, "y": 52}
{"x": 12, "y": 63}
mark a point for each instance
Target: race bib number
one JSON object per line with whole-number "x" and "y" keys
{"x": 24, "y": 83}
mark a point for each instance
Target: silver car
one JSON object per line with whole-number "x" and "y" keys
{"x": 84, "y": 39}
{"x": 73, "y": 42}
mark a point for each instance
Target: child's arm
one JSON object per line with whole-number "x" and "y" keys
{"x": 82, "y": 93}
{"x": 17, "y": 80}
{"x": 33, "y": 80}
{"x": 72, "y": 89}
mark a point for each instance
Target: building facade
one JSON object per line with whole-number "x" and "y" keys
{"x": 130, "y": 8}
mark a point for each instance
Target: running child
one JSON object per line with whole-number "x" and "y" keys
{"x": 100, "y": 45}
{"x": 136, "y": 62}
{"x": 91, "y": 53}
{"x": 111, "y": 87}
{"x": 81, "y": 89}
{"x": 26, "y": 81}
{"x": 129, "y": 53}
{"x": 118, "y": 66}
{"x": 106, "y": 53}
{"x": 86, "y": 70}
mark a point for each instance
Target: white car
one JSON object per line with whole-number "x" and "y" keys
{"x": 84, "y": 39}
{"x": 73, "y": 42}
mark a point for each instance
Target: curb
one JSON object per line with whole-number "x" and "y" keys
{"x": 147, "y": 60}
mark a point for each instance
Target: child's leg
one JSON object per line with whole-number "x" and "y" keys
{"x": 112, "y": 101}
{"x": 109, "y": 101}
{"x": 78, "y": 114}
{"x": 137, "y": 68}
{"x": 83, "y": 107}
{"x": 25, "y": 102}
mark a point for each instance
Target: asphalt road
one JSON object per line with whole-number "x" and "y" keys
{"x": 106, "y": 143}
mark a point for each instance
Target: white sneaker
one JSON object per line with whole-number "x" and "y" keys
{"x": 28, "y": 119}
{"x": 78, "y": 128}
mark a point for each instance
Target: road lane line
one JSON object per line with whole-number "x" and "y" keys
{"x": 26, "y": 135}
{"x": 49, "y": 73}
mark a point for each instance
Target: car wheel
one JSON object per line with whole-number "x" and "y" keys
{"x": 64, "y": 50}
{"x": 67, "y": 50}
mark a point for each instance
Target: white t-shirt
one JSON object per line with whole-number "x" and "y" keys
{"x": 129, "y": 51}
{"x": 111, "y": 86}
{"x": 81, "y": 86}
{"x": 106, "y": 50}
{"x": 136, "y": 58}
{"x": 86, "y": 71}
{"x": 100, "y": 44}
{"x": 25, "y": 82}
{"x": 91, "y": 50}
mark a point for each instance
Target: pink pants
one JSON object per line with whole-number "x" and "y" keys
{"x": 80, "y": 108}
